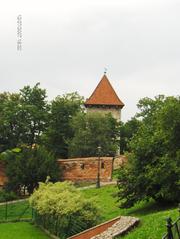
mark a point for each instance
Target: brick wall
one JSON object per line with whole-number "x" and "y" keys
{"x": 3, "y": 177}
{"x": 78, "y": 169}
{"x": 85, "y": 169}
{"x": 95, "y": 230}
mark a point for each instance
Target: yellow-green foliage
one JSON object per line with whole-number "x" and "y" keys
{"x": 63, "y": 199}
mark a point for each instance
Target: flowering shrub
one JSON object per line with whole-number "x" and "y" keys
{"x": 62, "y": 209}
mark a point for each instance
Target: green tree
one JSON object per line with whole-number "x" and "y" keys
{"x": 127, "y": 130}
{"x": 59, "y": 130}
{"x": 92, "y": 130}
{"x": 23, "y": 117}
{"x": 153, "y": 168}
{"x": 35, "y": 110}
{"x": 11, "y": 125}
{"x": 26, "y": 167}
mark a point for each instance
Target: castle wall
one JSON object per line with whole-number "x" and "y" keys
{"x": 3, "y": 178}
{"x": 77, "y": 169}
{"x": 86, "y": 169}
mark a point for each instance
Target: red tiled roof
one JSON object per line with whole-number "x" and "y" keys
{"x": 104, "y": 94}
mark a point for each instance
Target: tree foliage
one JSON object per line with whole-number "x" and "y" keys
{"x": 26, "y": 167}
{"x": 153, "y": 168}
{"x": 127, "y": 130}
{"x": 23, "y": 117}
{"x": 92, "y": 130}
{"x": 64, "y": 206}
{"x": 59, "y": 131}
{"x": 35, "y": 110}
{"x": 11, "y": 124}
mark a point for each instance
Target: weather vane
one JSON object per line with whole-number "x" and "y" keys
{"x": 105, "y": 70}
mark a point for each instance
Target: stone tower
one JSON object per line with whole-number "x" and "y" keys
{"x": 105, "y": 100}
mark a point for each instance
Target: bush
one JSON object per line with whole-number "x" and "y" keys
{"x": 62, "y": 209}
{"x": 7, "y": 196}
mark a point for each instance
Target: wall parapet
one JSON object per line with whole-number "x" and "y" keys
{"x": 86, "y": 169}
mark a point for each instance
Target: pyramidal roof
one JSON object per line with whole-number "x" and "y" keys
{"x": 104, "y": 94}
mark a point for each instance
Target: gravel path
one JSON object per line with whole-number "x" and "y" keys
{"x": 14, "y": 201}
{"x": 102, "y": 184}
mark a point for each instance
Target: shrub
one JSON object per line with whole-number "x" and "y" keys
{"x": 7, "y": 196}
{"x": 62, "y": 209}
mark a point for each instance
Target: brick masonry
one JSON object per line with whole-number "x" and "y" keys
{"x": 89, "y": 233}
{"x": 86, "y": 169}
{"x": 109, "y": 230}
{"x": 81, "y": 169}
{"x": 3, "y": 178}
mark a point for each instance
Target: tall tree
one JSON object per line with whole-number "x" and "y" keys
{"x": 23, "y": 117}
{"x": 11, "y": 120}
{"x": 92, "y": 130}
{"x": 26, "y": 167}
{"x": 127, "y": 130}
{"x": 153, "y": 168}
{"x": 59, "y": 130}
{"x": 35, "y": 110}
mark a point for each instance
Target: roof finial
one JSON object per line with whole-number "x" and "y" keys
{"x": 105, "y": 70}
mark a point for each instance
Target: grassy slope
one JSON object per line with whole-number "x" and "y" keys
{"x": 20, "y": 230}
{"x": 152, "y": 216}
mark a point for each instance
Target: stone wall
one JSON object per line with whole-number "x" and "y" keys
{"x": 116, "y": 112}
{"x": 86, "y": 169}
{"x": 119, "y": 160}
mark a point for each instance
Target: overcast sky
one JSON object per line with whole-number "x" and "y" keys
{"x": 67, "y": 43}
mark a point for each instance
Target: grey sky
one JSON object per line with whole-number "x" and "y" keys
{"x": 67, "y": 44}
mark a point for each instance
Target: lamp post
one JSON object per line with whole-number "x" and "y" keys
{"x": 98, "y": 169}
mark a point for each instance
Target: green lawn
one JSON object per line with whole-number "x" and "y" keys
{"x": 16, "y": 210}
{"x": 152, "y": 216}
{"x": 20, "y": 230}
